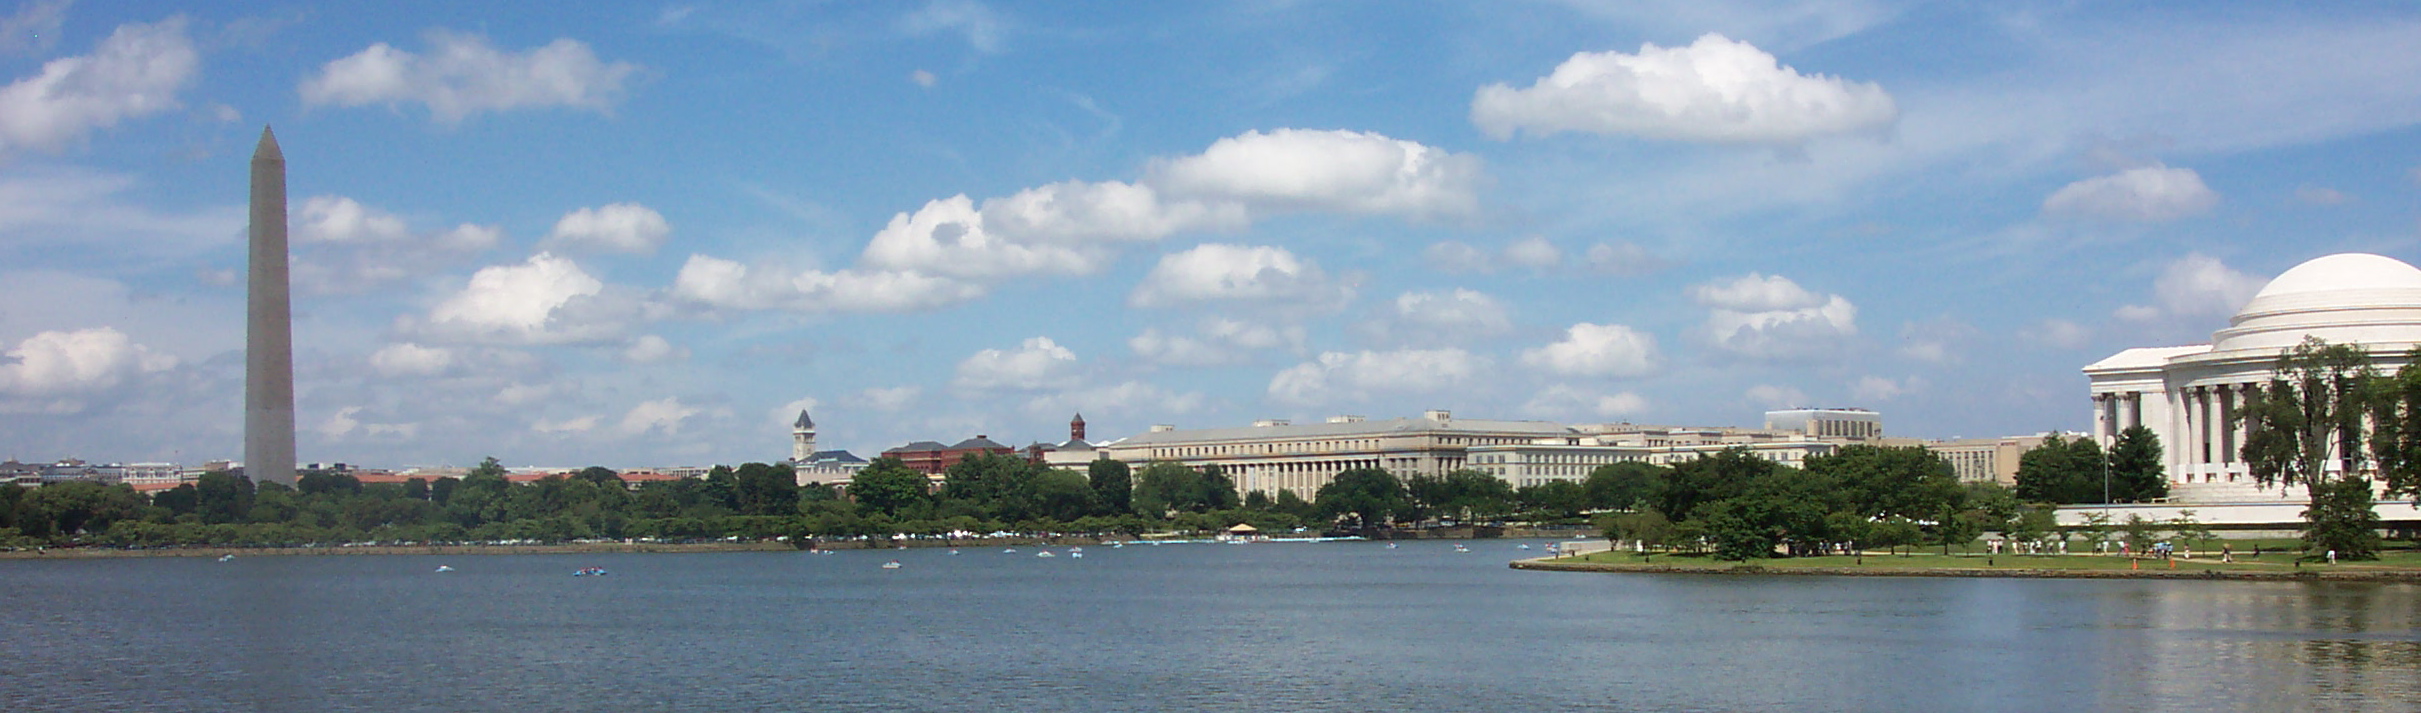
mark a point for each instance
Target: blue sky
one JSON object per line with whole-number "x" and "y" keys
{"x": 647, "y": 234}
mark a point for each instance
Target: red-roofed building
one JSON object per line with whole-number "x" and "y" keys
{"x": 931, "y": 458}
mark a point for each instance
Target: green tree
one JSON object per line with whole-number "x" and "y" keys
{"x": 2306, "y": 427}
{"x": 221, "y": 497}
{"x": 2035, "y": 523}
{"x": 2140, "y": 532}
{"x": 2342, "y": 517}
{"x": 1629, "y": 485}
{"x": 1708, "y": 478}
{"x": 2061, "y": 471}
{"x": 79, "y": 507}
{"x": 886, "y": 485}
{"x": 1164, "y": 487}
{"x": 2199, "y": 533}
{"x": 1365, "y": 497}
{"x": 763, "y": 489}
{"x": 1218, "y": 491}
{"x": 1646, "y": 526}
{"x": 1884, "y": 482}
{"x": 1290, "y": 503}
{"x": 601, "y": 475}
{"x": 2136, "y": 473}
{"x": 1553, "y": 500}
{"x": 2396, "y": 428}
{"x": 1064, "y": 495}
{"x": 2096, "y": 529}
{"x": 1113, "y": 484}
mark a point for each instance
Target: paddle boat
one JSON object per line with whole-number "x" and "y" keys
{"x": 445, "y": 568}
{"x": 894, "y": 564}
{"x": 226, "y": 558}
{"x": 589, "y": 572}
{"x": 1045, "y": 553}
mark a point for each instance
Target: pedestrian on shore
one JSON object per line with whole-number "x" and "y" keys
{"x": 2332, "y": 556}
{"x": 2226, "y": 553}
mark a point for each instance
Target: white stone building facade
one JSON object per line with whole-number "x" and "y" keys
{"x": 2190, "y": 396}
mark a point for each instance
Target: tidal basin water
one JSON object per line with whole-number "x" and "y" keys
{"x": 1263, "y": 627}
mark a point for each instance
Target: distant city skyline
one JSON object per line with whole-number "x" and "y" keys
{"x": 642, "y": 235}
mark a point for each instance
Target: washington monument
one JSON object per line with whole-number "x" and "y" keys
{"x": 269, "y": 326}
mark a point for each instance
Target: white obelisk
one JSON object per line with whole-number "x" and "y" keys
{"x": 269, "y": 333}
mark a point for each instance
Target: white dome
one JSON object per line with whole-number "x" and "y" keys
{"x": 2342, "y": 298}
{"x": 2343, "y": 271}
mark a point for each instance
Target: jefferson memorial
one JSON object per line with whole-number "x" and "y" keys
{"x": 2187, "y": 394}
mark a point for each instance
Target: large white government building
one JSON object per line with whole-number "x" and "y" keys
{"x": 2190, "y": 395}
{"x": 1275, "y": 455}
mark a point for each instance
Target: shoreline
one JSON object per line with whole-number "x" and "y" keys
{"x": 64, "y": 553}
{"x": 2388, "y": 576}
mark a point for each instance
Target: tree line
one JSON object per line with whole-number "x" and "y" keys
{"x": 1736, "y": 505}
{"x": 984, "y": 493}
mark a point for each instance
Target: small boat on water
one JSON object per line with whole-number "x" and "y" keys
{"x": 1391, "y": 545}
{"x": 954, "y": 552}
{"x": 1009, "y": 551}
{"x": 226, "y": 558}
{"x": 1460, "y": 548}
{"x": 1045, "y": 553}
{"x": 1522, "y": 547}
{"x": 589, "y": 572}
{"x": 894, "y": 564}
{"x": 1076, "y": 553}
{"x": 445, "y": 568}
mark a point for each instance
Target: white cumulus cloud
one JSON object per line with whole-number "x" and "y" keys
{"x": 1448, "y": 315}
{"x": 1597, "y": 350}
{"x": 1714, "y": 90}
{"x": 545, "y": 300}
{"x": 1034, "y": 365}
{"x": 663, "y": 416}
{"x": 1340, "y": 171}
{"x": 56, "y": 371}
{"x": 1773, "y": 318}
{"x": 136, "y": 71}
{"x": 1561, "y": 400}
{"x": 1238, "y": 273}
{"x": 1217, "y": 341}
{"x": 2148, "y": 194}
{"x": 652, "y": 349}
{"x": 949, "y": 237}
{"x": 617, "y": 227}
{"x": 345, "y": 247}
{"x": 1336, "y": 376}
{"x": 1772, "y": 396}
{"x": 727, "y": 284}
{"x": 462, "y": 75}
{"x": 2196, "y": 286}
{"x": 408, "y": 359}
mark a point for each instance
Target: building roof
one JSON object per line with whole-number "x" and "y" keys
{"x": 2343, "y": 271}
{"x": 804, "y": 422}
{"x": 2144, "y": 358}
{"x": 979, "y": 442}
{"x": 918, "y": 447}
{"x": 2343, "y": 298}
{"x": 1395, "y": 426}
{"x": 841, "y": 456}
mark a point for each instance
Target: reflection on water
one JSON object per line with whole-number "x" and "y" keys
{"x": 1194, "y": 627}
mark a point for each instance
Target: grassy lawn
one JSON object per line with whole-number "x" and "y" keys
{"x": 2270, "y": 561}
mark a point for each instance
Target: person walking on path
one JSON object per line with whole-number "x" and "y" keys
{"x": 2226, "y": 553}
{"x": 2332, "y": 556}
